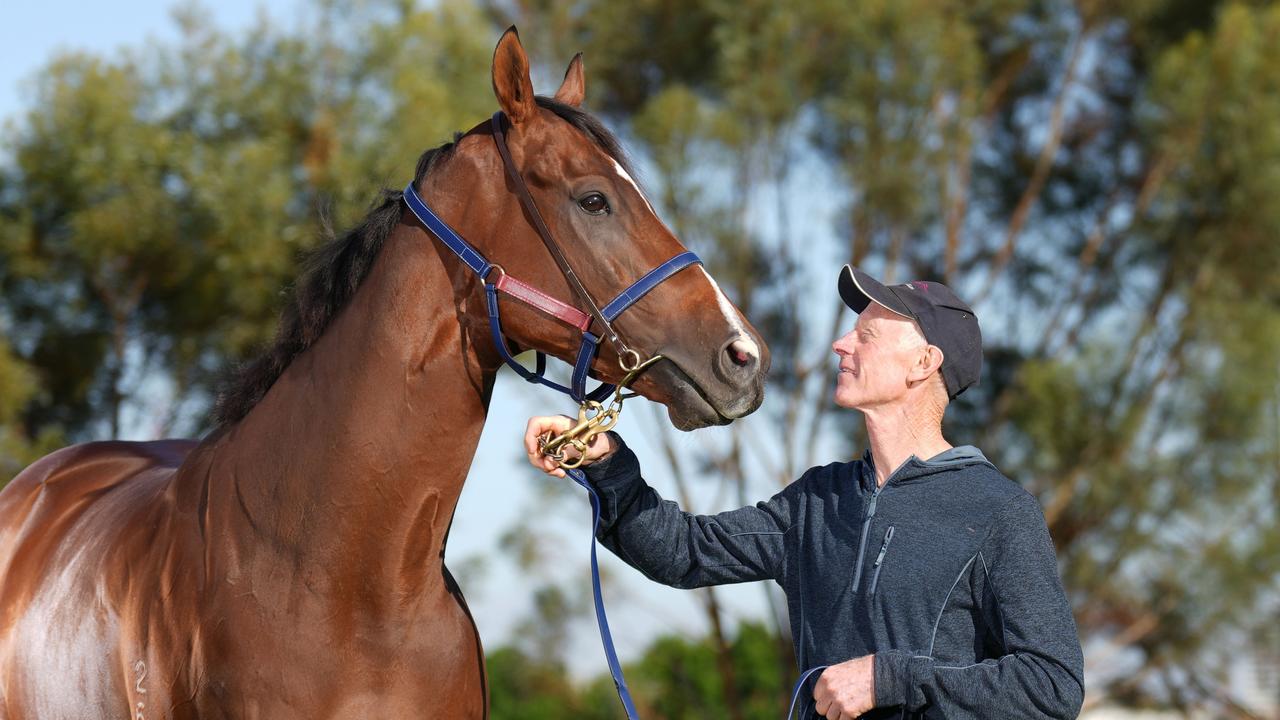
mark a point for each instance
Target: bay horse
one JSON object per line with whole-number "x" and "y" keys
{"x": 291, "y": 563}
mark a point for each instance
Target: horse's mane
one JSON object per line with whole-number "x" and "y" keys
{"x": 331, "y": 273}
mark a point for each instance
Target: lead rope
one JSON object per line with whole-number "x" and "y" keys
{"x": 795, "y": 694}
{"x": 602, "y": 620}
{"x": 593, "y": 419}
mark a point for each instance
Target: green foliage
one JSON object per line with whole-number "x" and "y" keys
{"x": 675, "y": 678}
{"x": 1214, "y": 101}
{"x": 17, "y": 386}
{"x": 523, "y": 685}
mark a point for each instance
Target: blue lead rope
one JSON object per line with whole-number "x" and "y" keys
{"x": 606, "y": 638}
{"x": 795, "y": 694}
{"x": 602, "y": 620}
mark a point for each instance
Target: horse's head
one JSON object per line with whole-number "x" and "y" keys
{"x": 610, "y": 236}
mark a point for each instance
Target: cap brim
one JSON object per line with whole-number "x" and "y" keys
{"x": 857, "y": 289}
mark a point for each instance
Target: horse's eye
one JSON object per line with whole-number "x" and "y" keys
{"x": 594, "y": 203}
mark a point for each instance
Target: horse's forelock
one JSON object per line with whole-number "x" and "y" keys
{"x": 590, "y": 126}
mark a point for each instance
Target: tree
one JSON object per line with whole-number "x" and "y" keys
{"x": 1095, "y": 178}
{"x": 674, "y": 678}
{"x": 17, "y": 386}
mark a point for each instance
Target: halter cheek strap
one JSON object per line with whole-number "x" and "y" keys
{"x": 540, "y": 225}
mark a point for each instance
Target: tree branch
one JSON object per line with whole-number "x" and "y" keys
{"x": 1039, "y": 175}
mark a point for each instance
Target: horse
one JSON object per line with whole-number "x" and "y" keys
{"x": 291, "y": 563}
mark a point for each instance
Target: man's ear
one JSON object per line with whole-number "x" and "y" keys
{"x": 928, "y": 363}
{"x": 511, "y": 82}
{"x": 574, "y": 87}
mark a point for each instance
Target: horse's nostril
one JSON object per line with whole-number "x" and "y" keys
{"x": 739, "y": 353}
{"x": 738, "y": 362}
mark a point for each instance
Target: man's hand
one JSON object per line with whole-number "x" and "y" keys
{"x": 601, "y": 446}
{"x": 847, "y": 690}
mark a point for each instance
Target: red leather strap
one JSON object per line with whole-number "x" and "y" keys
{"x": 539, "y": 300}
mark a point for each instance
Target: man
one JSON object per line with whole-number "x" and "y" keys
{"x": 923, "y": 578}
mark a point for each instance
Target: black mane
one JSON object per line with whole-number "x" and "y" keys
{"x": 331, "y": 274}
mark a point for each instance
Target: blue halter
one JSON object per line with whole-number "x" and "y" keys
{"x": 590, "y": 341}
{"x": 586, "y": 352}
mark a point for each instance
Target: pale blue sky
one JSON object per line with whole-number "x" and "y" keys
{"x": 32, "y": 32}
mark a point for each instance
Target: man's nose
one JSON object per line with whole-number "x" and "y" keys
{"x": 841, "y": 346}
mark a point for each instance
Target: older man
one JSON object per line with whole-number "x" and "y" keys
{"x": 922, "y": 578}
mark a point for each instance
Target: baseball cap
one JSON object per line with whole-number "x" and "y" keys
{"x": 946, "y": 321}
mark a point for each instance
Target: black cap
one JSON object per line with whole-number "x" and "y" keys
{"x": 946, "y": 321}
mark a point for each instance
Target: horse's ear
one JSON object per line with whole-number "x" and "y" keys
{"x": 574, "y": 87}
{"x": 511, "y": 82}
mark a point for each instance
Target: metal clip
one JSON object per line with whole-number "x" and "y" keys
{"x": 593, "y": 419}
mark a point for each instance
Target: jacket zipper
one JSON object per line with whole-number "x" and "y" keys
{"x": 866, "y": 528}
{"x": 875, "y": 579}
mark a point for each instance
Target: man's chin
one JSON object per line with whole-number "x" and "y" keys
{"x": 848, "y": 400}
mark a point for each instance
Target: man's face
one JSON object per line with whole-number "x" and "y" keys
{"x": 876, "y": 359}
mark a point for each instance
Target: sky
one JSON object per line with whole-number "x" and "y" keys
{"x": 32, "y": 32}
{"x": 500, "y": 487}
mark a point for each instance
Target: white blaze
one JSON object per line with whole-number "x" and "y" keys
{"x": 726, "y": 307}
{"x": 622, "y": 173}
{"x": 731, "y": 316}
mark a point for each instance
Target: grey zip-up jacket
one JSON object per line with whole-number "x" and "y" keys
{"x": 946, "y": 573}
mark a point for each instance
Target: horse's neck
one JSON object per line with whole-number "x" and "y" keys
{"x": 353, "y": 462}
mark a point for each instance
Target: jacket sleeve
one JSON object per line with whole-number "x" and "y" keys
{"x": 1041, "y": 674}
{"x": 676, "y": 548}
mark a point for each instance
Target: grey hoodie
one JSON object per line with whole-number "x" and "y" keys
{"x": 946, "y": 573}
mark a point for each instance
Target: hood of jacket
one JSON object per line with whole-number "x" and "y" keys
{"x": 917, "y": 470}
